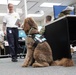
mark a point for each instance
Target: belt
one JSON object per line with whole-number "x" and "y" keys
{"x": 12, "y": 28}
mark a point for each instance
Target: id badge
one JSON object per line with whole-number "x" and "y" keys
{"x": 10, "y": 31}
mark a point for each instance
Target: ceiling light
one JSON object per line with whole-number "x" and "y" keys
{"x": 19, "y": 10}
{"x": 3, "y": 14}
{"x": 37, "y": 14}
{"x": 14, "y": 2}
{"x": 46, "y": 4}
{"x": 34, "y": 15}
{"x": 3, "y": 2}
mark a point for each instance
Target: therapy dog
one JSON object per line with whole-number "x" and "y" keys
{"x": 39, "y": 53}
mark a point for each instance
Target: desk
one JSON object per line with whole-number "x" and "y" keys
{"x": 22, "y": 46}
{"x": 21, "y": 49}
{"x": 58, "y": 35}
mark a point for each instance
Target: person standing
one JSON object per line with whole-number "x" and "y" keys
{"x": 48, "y": 19}
{"x": 47, "y": 22}
{"x": 1, "y": 40}
{"x": 11, "y": 21}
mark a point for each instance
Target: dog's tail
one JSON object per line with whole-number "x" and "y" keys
{"x": 63, "y": 62}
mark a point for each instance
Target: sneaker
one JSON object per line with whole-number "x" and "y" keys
{"x": 14, "y": 60}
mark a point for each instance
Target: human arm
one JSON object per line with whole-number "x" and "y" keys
{"x": 4, "y": 28}
{"x": 18, "y": 20}
{"x": 4, "y": 25}
{"x": 42, "y": 30}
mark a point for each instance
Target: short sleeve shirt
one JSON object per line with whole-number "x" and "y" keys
{"x": 10, "y": 19}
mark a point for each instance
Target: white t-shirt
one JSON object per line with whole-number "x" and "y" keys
{"x": 10, "y": 19}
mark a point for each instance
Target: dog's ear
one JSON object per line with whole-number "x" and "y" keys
{"x": 26, "y": 26}
{"x": 32, "y": 23}
{"x": 25, "y": 21}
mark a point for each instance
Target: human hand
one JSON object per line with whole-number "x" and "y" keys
{"x": 4, "y": 32}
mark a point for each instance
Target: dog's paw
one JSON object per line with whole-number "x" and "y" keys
{"x": 40, "y": 64}
{"x": 24, "y": 65}
{"x": 34, "y": 65}
{"x": 53, "y": 63}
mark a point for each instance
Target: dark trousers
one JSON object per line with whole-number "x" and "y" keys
{"x": 12, "y": 37}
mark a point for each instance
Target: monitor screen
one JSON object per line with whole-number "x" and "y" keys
{"x": 22, "y": 33}
{"x": 58, "y": 9}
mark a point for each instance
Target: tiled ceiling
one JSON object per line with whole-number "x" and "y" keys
{"x": 34, "y": 5}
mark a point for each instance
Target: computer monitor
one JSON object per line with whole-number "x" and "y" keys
{"x": 21, "y": 34}
{"x": 58, "y": 9}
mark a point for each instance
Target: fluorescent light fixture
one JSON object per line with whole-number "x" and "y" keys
{"x": 34, "y": 15}
{"x": 3, "y": 14}
{"x": 14, "y": 2}
{"x": 3, "y": 2}
{"x": 46, "y": 4}
{"x": 39, "y": 14}
{"x": 19, "y": 10}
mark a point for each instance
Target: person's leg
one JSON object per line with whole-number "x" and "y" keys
{"x": 15, "y": 31}
{"x": 10, "y": 38}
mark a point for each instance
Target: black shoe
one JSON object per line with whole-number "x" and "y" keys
{"x": 14, "y": 60}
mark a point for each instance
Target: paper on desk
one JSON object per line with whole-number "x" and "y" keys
{"x": 66, "y": 11}
{"x": 68, "y": 8}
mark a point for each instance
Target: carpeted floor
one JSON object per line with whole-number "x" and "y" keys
{"x": 14, "y": 68}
